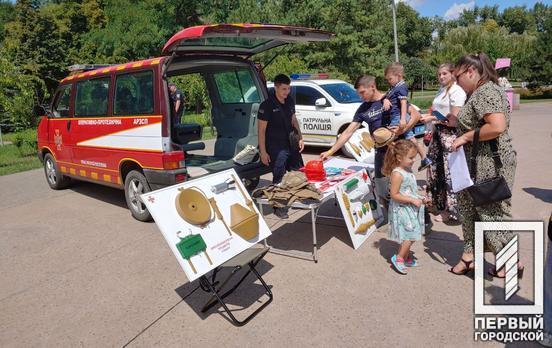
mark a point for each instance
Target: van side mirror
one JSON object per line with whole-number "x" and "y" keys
{"x": 43, "y": 109}
{"x": 321, "y": 102}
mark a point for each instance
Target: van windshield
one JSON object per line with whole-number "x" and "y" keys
{"x": 343, "y": 93}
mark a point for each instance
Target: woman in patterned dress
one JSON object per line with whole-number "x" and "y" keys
{"x": 487, "y": 108}
{"x": 448, "y": 102}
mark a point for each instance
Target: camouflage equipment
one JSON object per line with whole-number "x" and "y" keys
{"x": 293, "y": 179}
{"x": 294, "y": 187}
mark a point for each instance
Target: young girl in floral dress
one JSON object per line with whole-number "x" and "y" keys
{"x": 406, "y": 209}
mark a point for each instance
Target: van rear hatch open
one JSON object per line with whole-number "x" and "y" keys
{"x": 242, "y": 40}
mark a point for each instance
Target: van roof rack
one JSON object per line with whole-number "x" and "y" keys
{"x": 78, "y": 68}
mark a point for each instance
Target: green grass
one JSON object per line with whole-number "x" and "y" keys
{"x": 207, "y": 134}
{"x": 8, "y": 137}
{"x": 15, "y": 160}
{"x": 527, "y": 101}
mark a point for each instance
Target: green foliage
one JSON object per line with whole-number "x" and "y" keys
{"x": 35, "y": 45}
{"x": 534, "y": 93}
{"x": 540, "y": 62}
{"x": 196, "y": 97}
{"x": 26, "y": 142}
{"x": 490, "y": 38}
{"x": 7, "y": 14}
{"x": 417, "y": 71}
{"x": 17, "y": 96}
{"x": 13, "y": 161}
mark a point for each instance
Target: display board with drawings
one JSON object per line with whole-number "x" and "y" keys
{"x": 361, "y": 145}
{"x": 206, "y": 221}
{"x": 359, "y": 206}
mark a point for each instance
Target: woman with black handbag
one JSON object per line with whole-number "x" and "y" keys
{"x": 483, "y": 132}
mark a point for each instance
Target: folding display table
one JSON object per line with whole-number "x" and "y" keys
{"x": 314, "y": 209}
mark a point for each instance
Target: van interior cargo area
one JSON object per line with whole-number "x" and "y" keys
{"x": 235, "y": 92}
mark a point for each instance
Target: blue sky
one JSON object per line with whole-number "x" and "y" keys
{"x": 450, "y": 9}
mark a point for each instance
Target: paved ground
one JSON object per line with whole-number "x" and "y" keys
{"x": 77, "y": 270}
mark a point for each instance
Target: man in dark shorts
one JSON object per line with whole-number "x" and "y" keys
{"x": 373, "y": 113}
{"x": 177, "y": 98}
{"x": 276, "y": 119}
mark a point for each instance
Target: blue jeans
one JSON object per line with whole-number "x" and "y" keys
{"x": 283, "y": 160}
{"x": 396, "y": 120}
{"x": 548, "y": 290}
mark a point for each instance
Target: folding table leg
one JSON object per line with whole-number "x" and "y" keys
{"x": 314, "y": 213}
{"x": 216, "y": 297}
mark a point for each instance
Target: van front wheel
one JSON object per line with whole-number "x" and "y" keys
{"x": 135, "y": 185}
{"x": 55, "y": 179}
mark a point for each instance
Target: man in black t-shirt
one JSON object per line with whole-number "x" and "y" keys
{"x": 370, "y": 111}
{"x": 177, "y": 98}
{"x": 276, "y": 120}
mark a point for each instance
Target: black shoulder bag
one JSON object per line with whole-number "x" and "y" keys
{"x": 491, "y": 190}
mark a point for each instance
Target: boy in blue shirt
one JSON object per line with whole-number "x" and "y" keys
{"x": 398, "y": 98}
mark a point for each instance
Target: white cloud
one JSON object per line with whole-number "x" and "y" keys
{"x": 456, "y": 9}
{"x": 412, "y": 3}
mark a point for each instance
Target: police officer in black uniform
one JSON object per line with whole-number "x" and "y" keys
{"x": 177, "y": 98}
{"x": 276, "y": 121}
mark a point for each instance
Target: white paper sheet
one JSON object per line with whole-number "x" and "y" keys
{"x": 459, "y": 173}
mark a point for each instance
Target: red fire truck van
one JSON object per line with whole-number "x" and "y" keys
{"x": 112, "y": 125}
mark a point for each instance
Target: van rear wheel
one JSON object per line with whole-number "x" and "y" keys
{"x": 135, "y": 185}
{"x": 55, "y": 179}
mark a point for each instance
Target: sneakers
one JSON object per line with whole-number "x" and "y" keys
{"x": 398, "y": 263}
{"x": 426, "y": 162}
{"x": 410, "y": 262}
{"x": 282, "y": 213}
{"x": 246, "y": 155}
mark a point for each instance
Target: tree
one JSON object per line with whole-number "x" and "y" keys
{"x": 7, "y": 14}
{"x": 417, "y": 71}
{"x": 517, "y": 19}
{"x": 540, "y": 61}
{"x": 490, "y": 38}
{"x": 34, "y": 43}
{"x": 414, "y": 32}
{"x": 17, "y": 96}
{"x": 540, "y": 14}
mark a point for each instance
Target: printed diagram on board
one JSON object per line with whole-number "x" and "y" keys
{"x": 206, "y": 221}
{"x": 359, "y": 207}
{"x": 361, "y": 146}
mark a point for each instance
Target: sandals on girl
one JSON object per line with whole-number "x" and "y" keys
{"x": 465, "y": 271}
{"x": 398, "y": 263}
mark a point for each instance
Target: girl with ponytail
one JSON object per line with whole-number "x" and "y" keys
{"x": 406, "y": 208}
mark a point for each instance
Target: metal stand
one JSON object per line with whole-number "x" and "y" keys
{"x": 250, "y": 258}
{"x": 314, "y": 208}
